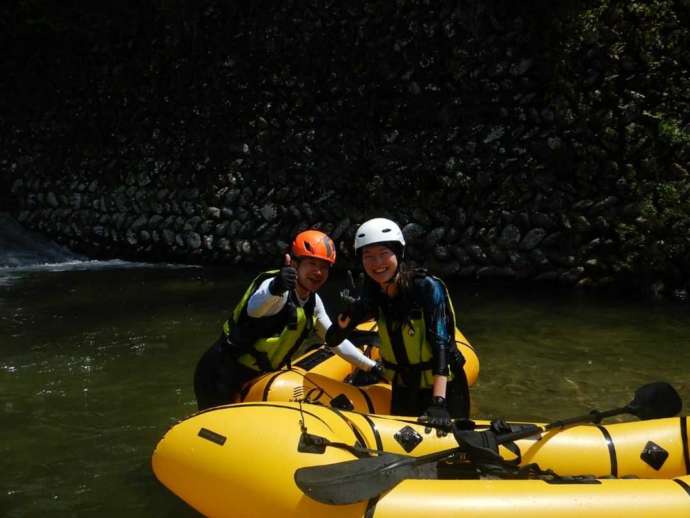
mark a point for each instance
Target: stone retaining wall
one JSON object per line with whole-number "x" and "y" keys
{"x": 508, "y": 141}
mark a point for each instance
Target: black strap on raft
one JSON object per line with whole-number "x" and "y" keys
{"x": 309, "y": 443}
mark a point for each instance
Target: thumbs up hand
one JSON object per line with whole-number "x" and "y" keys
{"x": 286, "y": 278}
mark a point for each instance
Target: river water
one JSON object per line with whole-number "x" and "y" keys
{"x": 96, "y": 362}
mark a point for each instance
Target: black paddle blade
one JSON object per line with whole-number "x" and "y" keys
{"x": 655, "y": 400}
{"x": 354, "y": 480}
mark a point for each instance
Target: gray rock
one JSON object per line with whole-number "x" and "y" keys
{"x": 539, "y": 259}
{"x": 295, "y": 213}
{"x": 553, "y": 240}
{"x": 155, "y": 221}
{"x": 223, "y": 244}
{"x": 131, "y": 237}
{"x": 581, "y": 223}
{"x": 495, "y": 134}
{"x": 192, "y": 240}
{"x": 206, "y": 227}
{"x": 532, "y": 239}
{"x": 603, "y": 205}
{"x": 269, "y": 212}
{"x": 434, "y": 237}
{"x": 244, "y": 247}
{"x": 441, "y": 252}
{"x": 213, "y": 212}
{"x": 460, "y": 254}
{"x": 191, "y": 195}
{"x": 234, "y": 228}
{"x": 189, "y": 208}
{"x": 477, "y": 254}
{"x": 460, "y": 217}
{"x": 583, "y": 205}
{"x": 52, "y": 200}
{"x": 99, "y": 231}
{"x": 421, "y": 216}
{"x": 510, "y": 236}
{"x": 221, "y": 229}
{"x": 415, "y": 253}
{"x": 231, "y": 197}
{"x": 139, "y": 223}
{"x": 193, "y": 223}
{"x": 496, "y": 256}
{"x": 573, "y": 275}
{"x": 413, "y": 232}
{"x": 543, "y": 220}
{"x": 452, "y": 235}
{"x": 521, "y": 68}
{"x": 75, "y": 200}
{"x": 342, "y": 226}
{"x": 17, "y": 185}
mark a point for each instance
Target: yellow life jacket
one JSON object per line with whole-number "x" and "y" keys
{"x": 417, "y": 346}
{"x": 267, "y": 343}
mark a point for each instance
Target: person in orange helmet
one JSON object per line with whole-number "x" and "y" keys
{"x": 271, "y": 321}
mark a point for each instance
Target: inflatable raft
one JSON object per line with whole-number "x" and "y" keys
{"x": 240, "y": 461}
{"x": 323, "y": 377}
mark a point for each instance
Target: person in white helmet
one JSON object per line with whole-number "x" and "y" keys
{"x": 416, "y": 325}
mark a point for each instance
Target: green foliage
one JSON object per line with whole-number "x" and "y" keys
{"x": 672, "y": 133}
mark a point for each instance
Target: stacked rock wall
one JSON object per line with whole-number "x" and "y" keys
{"x": 509, "y": 141}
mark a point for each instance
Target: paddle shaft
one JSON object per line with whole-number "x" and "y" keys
{"x": 594, "y": 416}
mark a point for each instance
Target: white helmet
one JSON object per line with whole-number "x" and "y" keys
{"x": 378, "y": 230}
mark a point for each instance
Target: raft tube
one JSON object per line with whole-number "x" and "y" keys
{"x": 239, "y": 461}
{"x": 322, "y": 376}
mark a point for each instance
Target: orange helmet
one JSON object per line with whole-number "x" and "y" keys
{"x": 313, "y": 243}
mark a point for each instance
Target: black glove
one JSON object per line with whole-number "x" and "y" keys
{"x": 352, "y": 292}
{"x": 350, "y": 295}
{"x": 335, "y": 334}
{"x": 377, "y": 370}
{"x": 285, "y": 280}
{"x": 437, "y": 416}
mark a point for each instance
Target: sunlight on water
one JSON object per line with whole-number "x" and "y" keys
{"x": 87, "y": 265}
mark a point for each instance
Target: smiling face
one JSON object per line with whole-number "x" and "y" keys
{"x": 380, "y": 263}
{"x": 312, "y": 273}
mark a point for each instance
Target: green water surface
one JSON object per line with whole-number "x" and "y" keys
{"x": 96, "y": 364}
